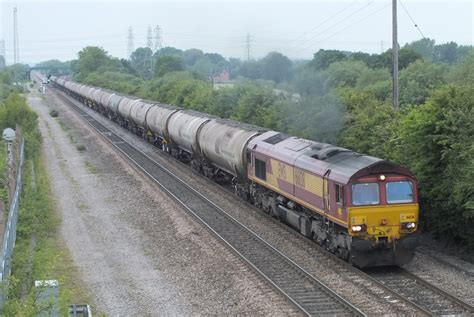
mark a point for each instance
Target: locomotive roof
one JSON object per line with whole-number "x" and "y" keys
{"x": 338, "y": 163}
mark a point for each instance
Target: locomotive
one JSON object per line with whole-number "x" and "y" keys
{"x": 362, "y": 208}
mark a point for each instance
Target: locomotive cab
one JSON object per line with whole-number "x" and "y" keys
{"x": 382, "y": 216}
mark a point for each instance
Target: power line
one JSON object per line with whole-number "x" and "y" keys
{"x": 336, "y": 24}
{"x": 414, "y": 23}
{"x": 324, "y": 21}
{"x": 350, "y": 25}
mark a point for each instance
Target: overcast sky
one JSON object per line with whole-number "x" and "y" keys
{"x": 59, "y": 29}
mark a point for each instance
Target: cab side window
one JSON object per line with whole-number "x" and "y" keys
{"x": 260, "y": 169}
{"x": 339, "y": 194}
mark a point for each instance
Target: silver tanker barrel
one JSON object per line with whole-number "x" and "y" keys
{"x": 223, "y": 142}
{"x": 113, "y": 103}
{"x": 85, "y": 90}
{"x": 125, "y": 107}
{"x": 157, "y": 119}
{"x": 104, "y": 99}
{"x": 183, "y": 128}
{"x": 139, "y": 111}
{"x": 97, "y": 94}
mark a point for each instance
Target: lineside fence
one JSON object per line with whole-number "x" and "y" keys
{"x": 10, "y": 230}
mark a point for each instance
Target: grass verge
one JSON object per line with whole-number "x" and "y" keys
{"x": 39, "y": 252}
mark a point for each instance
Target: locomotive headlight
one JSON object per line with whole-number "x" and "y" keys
{"x": 408, "y": 225}
{"x": 382, "y": 177}
{"x": 359, "y": 228}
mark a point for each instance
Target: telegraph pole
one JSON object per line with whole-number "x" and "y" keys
{"x": 16, "y": 51}
{"x": 395, "y": 54}
{"x": 130, "y": 42}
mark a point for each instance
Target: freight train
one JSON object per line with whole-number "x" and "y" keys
{"x": 362, "y": 208}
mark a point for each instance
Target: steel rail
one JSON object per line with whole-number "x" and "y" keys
{"x": 447, "y": 263}
{"x": 430, "y": 297}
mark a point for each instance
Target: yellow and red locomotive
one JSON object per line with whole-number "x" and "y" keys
{"x": 360, "y": 207}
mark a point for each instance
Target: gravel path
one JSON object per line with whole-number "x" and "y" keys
{"x": 139, "y": 253}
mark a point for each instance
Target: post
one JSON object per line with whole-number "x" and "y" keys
{"x": 395, "y": 54}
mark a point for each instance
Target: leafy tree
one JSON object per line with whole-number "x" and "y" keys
{"x": 435, "y": 140}
{"x": 169, "y": 51}
{"x": 323, "y": 58}
{"x": 92, "y": 59}
{"x": 318, "y": 118}
{"x": 463, "y": 72}
{"x": 141, "y": 60}
{"x": 216, "y": 58}
{"x": 234, "y": 67}
{"x": 3, "y": 64}
{"x": 449, "y": 53}
{"x": 424, "y": 47}
{"x": 254, "y": 106}
{"x": 191, "y": 56}
{"x": 343, "y": 74}
{"x": 56, "y": 67}
{"x": 205, "y": 67}
{"x": 165, "y": 64}
{"x": 367, "y": 127}
{"x": 125, "y": 83}
{"x": 418, "y": 80}
{"x": 276, "y": 67}
{"x": 251, "y": 69}
{"x": 307, "y": 82}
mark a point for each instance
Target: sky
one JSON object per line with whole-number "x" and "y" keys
{"x": 298, "y": 29}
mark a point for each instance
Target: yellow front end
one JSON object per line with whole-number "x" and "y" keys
{"x": 383, "y": 222}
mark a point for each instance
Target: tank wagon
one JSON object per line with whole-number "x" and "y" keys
{"x": 359, "y": 207}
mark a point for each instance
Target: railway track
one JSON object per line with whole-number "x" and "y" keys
{"x": 396, "y": 284}
{"x": 432, "y": 299}
{"x": 305, "y": 291}
{"x": 447, "y": 263}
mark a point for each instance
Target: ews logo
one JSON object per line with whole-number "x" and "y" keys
{"x": 281, "y": 170}
{"x": 299, "y": 178}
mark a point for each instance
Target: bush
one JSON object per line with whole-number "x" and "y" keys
{"x": 81, "y": 147}
{"x": 54, "y": 113}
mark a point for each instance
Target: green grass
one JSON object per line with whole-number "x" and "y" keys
{"x": 3, "y": 174}
{"x": 39, "y": 253}
{"x": 90, "y": 167}
{"x": 81, "y": 147}
{"x": 54, "y": 113}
